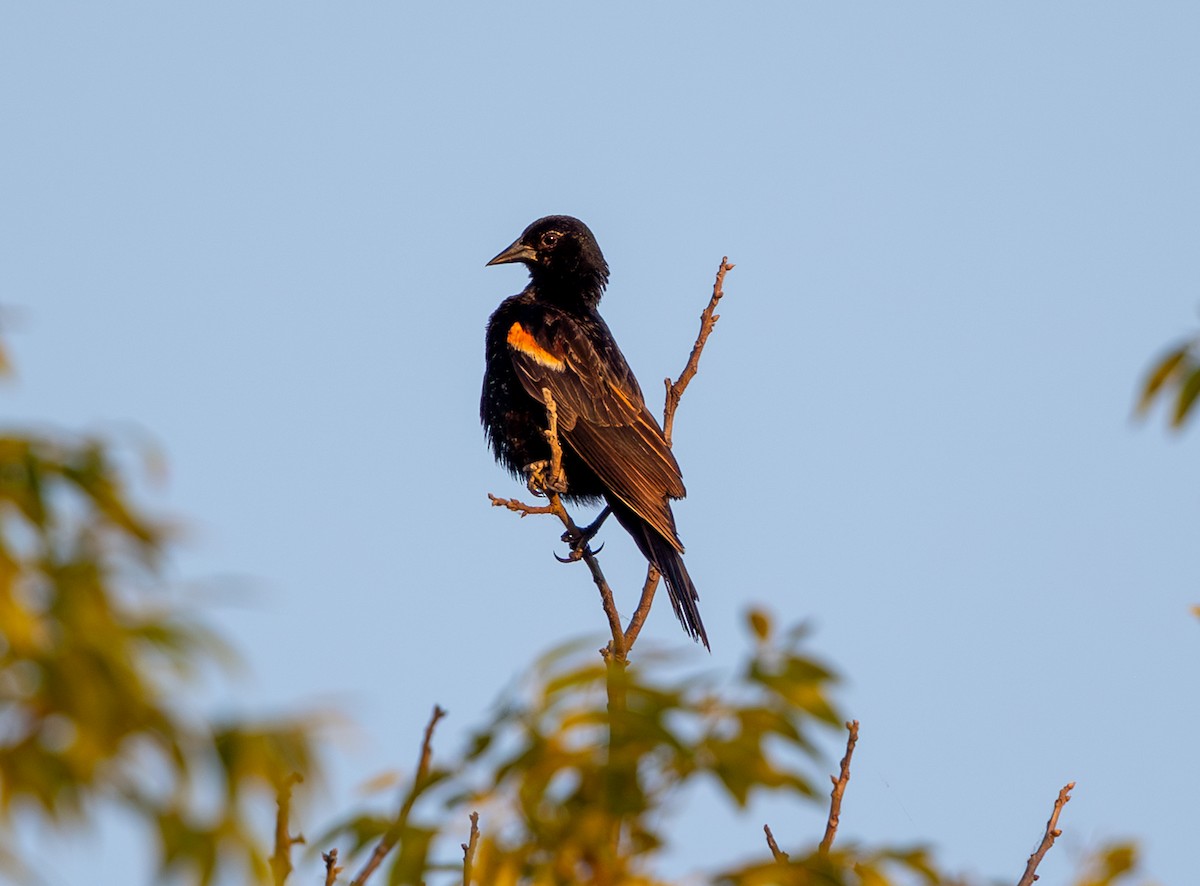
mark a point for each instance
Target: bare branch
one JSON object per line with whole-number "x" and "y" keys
{"x": 779, "y": 854}
{"x": 469, "y": 848}
{"x": 388, "y": 841}
{"x": 574, "y": 535}
{"x": 585, "y": 553}
{"x": 643, "y": 608}
{"x": 519, "y": 507}
{"x": 332, "y": 869}
{"x": 281, "y": 859}
{"x": 708, "y": 319}
{"x": 426, "y": 756}
{"x": 839, "y": 788}
{"x": 556, "y": 472}
{"x": 548, "y": 484}
{"x": 617, "y": 647}
{"x": 1052, "y": 834}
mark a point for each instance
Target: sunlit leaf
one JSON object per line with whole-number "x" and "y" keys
{"x": 1159, "y": 373}
{"x": 364, "y": 829}
{"x": 384, "y": 781}
{"x": 1189, "y": 390}
{"x": 1115, "y": 863}
{"x": 411, "y": 854}
{"x": 760, "y": 624}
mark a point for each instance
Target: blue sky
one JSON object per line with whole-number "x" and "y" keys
{"x": 255, "y": 235}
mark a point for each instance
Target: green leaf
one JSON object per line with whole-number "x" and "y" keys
{"x": 760, "y": 624}
{"x": 410, "y": 864}
{"x": 1113, "y": 863}
{"x": 363, "y": 830}
{"x": 1159, "y": 374}
{"x": 1188, "y": 392}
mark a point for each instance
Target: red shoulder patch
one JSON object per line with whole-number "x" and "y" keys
{"x": 520, "y": 340}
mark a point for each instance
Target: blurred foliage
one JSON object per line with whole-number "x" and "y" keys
{"x": 1114, "y": 864}
{"x": 846, "y": 866}
{"x": 1174, "y": 376}
{"x": 582, "y": 759}
{"x": 577, "y": 773}
{"x": 580, "y": 769}
{"x": 91, "y": 661}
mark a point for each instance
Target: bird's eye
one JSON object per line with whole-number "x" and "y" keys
{"x": 550, "y": 238}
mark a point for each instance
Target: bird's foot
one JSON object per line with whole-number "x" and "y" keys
{"x": 542, "y": 482}
{"x": 579, "y": 539}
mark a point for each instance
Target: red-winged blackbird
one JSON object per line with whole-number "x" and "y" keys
{"x": 551, "y": 336}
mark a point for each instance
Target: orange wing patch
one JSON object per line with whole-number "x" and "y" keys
{"x": 522, "y": 341}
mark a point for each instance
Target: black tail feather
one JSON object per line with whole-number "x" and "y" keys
{"x": 684, "y": 598}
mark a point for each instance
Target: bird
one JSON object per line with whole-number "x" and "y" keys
{"x": 551, "y": 337}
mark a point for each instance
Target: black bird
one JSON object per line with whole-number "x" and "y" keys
{"x": 550, "y": 336}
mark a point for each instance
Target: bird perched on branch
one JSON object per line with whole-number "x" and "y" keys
{"x": 550, "y": 338}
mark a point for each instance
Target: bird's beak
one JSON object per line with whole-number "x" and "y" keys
{"x": 517, "y": 252}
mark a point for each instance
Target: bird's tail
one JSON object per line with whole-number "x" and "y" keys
{"x": 659, "y": 551}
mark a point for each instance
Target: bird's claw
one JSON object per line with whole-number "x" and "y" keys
{"x": 579, "y": 539}
{"x": 540, "y": 481}
{"x": 577, "y": 552}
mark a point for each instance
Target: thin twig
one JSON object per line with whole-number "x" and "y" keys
{"x": 468, "y": 849}
{"x": 643, "y": 608}
{"x": 519, "y": 507}
{"x": 554, "y": 479}
{"x": 708, "y": 319}
{"x": 780, "y": 856}
{"x": 620, "y": 645}
{"x": 617, "y": 648}
{"x": 556, "y": 472}
{"x": 281, "y": 860}
{"x": 555, "y": 507}
{"x": 426, "y": 757}
{"x": 332, "y": 869}
{"x": 839, "y": 788}
{"x": 388, "y": 841}
{"x": 1052, "y": 834}
{"x": 674, "y": 393}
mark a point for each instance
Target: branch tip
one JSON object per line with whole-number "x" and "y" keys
{"x": 332, "y": 869}
{"x": 469, "y": 848}
{"x": 1052, "y": 833}
{"x": 839, "y": 789}
{"x": 281, "y": 858}
{"x": 420, "y": 780}
{"x": 778, "y": 854}
{"x": 708, "y": 319}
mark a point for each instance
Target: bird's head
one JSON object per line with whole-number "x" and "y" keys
{"x": 562, "y": 255}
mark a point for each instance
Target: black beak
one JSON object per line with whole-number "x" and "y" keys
{"x": 517, "y": 252}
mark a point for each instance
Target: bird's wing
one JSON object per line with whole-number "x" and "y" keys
{"x": 601, "y": 415}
